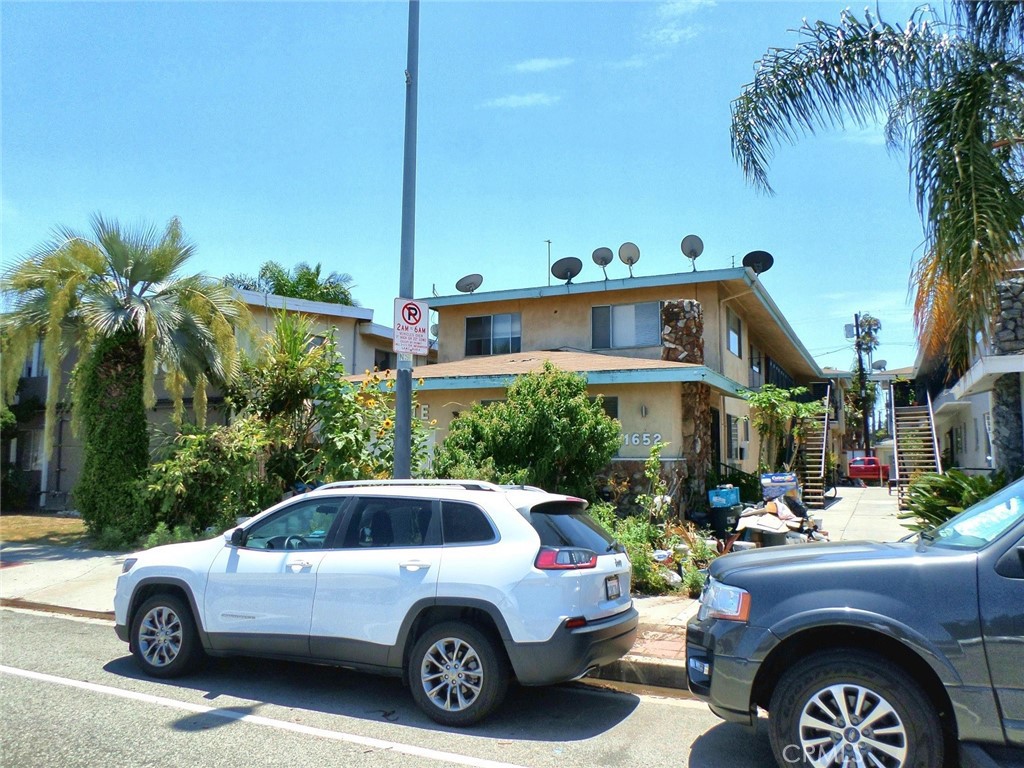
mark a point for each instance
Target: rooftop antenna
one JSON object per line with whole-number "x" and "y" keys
{"x": 759, "y": 261}
{"x": 549, "y": 259}
{"x": 629, "y": 255}
{"x": 567, "y": 268}
{"x": 603, "y": 257}
{"x": 692, "y": 247}
{"x": 469, "y": 283}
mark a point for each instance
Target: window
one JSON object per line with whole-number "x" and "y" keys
{"x": 493, "y": 334}
{"x": 735, "y": 337}
{"x": 391, "y": 522}
{"x": 626, "y": 325}
{"x": 305, "y": 525}
{"x": 610, "y": 406}
{"x": 32, "y": 453}
{"x": 384, "y": 360}
{"x": 734, "y": 449}
{"x": 465, "y": 524}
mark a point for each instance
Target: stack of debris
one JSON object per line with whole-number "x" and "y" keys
{"x": 783, "y": 520}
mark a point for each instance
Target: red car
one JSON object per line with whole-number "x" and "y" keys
{"x": 868, "y": 468}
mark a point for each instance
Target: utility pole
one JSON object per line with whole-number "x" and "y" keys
{"x": 866, "y": 442}
{"x": 403, "y": 376}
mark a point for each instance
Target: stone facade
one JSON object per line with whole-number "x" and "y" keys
{"x": 1008, "y": 339}
{"x": 682, "y": 338}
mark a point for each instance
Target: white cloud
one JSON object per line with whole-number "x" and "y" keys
{"x": 521, "y": 101}
{"x": 873, "y": 135}
{"x": 674, "y": 33}
{"x": 670, "y": 29}
{"x": 541, "y": 65}
{"x": 633, "y": 62}
{"x": 676, "y": 8}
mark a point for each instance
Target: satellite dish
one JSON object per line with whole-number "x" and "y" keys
{"x": 692, "y": 247}
{"x": 603, "y": 257}
{"x": 629, "y": 255}
{"x": 759, "y": 261}
{"x": 469, "y": 283}
{"x": 567, "y": 268}
{"x": 879, "y": 365}
{"x": 433, "y": 330}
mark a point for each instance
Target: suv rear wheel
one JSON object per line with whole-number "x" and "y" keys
{"x": 456, "y": 674}
{"x": 849, "y": 707}
{"x": 164, "y": 639}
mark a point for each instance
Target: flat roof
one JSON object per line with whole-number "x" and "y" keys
{"x": 330, "y": 309}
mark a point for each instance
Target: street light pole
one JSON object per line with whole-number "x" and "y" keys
{"x": 863, "y": 385}
{"x": 403, "y": 380}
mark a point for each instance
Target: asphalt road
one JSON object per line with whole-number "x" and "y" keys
{"x": 70, "y": 695}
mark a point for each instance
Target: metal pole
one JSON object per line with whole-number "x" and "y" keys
{"x": 863, "y": 386}
{"x": 403, "y": 384}
{"x": 549, "y": 261}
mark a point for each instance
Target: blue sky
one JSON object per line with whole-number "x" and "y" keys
{"x": 275, "y": 131}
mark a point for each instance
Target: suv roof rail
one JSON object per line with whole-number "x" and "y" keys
{"x": 469, "y": 485}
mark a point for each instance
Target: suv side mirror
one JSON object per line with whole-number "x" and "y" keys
{"x": 236, "y": 537}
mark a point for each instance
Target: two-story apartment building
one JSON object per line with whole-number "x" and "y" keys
{"x": 669, "y": 354}
{"x": 361, "y": 342}
{"x": 979, "y": 415}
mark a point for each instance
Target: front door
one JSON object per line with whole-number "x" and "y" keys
{"x": 385, "y": 562}
{"x": 1001, "y": 596}
{"x": 259, "y": 596}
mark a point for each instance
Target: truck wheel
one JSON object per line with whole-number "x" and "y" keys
{"x": 849, "y": 707}
{"x": 164, "y": 640}
{"x": 456, "y": 674}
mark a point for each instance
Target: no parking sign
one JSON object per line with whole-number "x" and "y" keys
{"x": 411, "y": 335}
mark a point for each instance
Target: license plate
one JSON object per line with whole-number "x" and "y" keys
{"x": 611, "y": 587}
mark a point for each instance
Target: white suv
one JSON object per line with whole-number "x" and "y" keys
{"x": 454, "y": 585}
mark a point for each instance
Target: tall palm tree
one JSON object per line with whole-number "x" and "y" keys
{"x": 118, "y": 299}
{"x": 301, "y": 282}
{"x": 952, "y": 92}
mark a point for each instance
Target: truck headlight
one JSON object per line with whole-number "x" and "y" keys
{"x": 722, "y": 601}
{"x": 129, "y": 563}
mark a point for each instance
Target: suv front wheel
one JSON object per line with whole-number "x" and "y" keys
{"x": 456, "y": 674}
{"x": 164, "y": 639}
{"x": 849, "y": 707}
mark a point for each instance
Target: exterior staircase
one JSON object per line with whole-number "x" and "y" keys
{"x": 812, "y": 460}
{"x": 915, "y": 445}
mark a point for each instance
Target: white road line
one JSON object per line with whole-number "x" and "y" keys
{"x": 351, "y": 738}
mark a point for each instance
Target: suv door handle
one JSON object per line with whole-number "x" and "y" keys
{"x": 298, "y": 565}
{"x": 414, "y": 565}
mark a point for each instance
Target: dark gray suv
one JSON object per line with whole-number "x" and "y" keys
{"x": 872, "y": 654}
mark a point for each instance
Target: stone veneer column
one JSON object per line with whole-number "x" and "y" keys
{"x": 682, "y": 339}
{"x": 1008, "y": 339}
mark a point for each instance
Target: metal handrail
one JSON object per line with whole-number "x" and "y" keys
{"x": 895, "y": 448}
{"x": 824, "y": 432}
{"x": 935, "y": 439}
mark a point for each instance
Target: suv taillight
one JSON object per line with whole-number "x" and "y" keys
{"x": 565, "y": 558}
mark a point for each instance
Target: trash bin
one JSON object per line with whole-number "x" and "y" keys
{"x": 723, "y": 520}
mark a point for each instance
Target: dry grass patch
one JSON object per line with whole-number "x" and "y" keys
{"x": 42, "y": 529}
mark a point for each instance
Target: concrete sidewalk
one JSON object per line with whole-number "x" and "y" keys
{"x": 81, "y": 582}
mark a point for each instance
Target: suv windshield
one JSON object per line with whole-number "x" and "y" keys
{"x": 981, "y": 524}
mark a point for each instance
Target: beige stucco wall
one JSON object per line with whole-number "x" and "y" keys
{"x": 640, "y": 432}
{"x": 554, "y": 322}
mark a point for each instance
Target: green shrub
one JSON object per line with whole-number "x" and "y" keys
{"x": 163, "y": 535}
{"x": 693, "y": 579}
{"x": 932, "y": 499}
{"x": 115, "y": 439}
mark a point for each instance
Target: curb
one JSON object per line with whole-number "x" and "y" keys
{"x": 642, "y": 670}
{"x": 28, "y": 605}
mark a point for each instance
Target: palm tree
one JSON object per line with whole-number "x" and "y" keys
{"x": 953, "y": 96}
{"x": 118, "y": 300}
{"x": 302, "y": 282}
